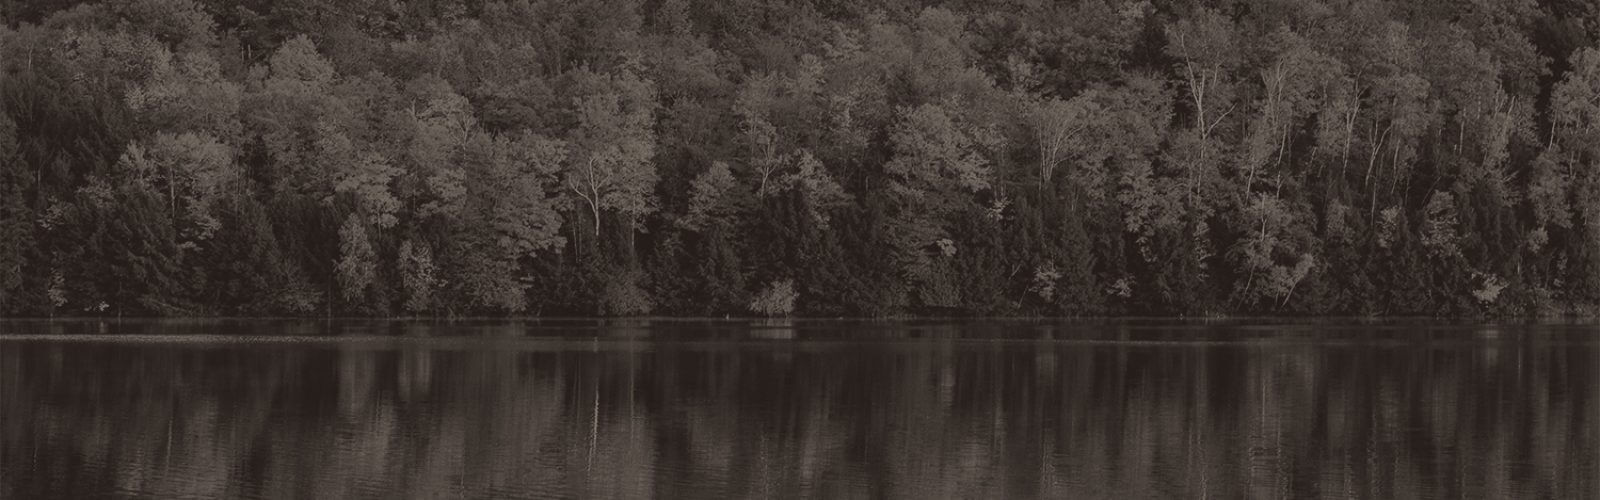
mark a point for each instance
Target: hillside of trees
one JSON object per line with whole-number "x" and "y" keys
{"x": 807, "y": 157}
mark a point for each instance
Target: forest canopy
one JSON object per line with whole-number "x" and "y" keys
{"x": 806, "y": 157}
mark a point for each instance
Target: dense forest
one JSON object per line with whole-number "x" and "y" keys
{"x": 807, "y": 157}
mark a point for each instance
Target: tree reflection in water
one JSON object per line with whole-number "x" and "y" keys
{"x": 926, "y": 412}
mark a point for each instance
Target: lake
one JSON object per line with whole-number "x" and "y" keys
{"x": 819, "y": 408}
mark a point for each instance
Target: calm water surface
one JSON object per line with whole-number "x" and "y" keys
{"x": 838, "y": 409}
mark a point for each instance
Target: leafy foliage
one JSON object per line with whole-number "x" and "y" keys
{"x": 600, "y": 157}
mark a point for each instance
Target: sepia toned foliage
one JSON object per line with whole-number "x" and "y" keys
{"x": 617, "y": 157}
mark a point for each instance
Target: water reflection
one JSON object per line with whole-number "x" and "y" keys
{"x": 785, "y": 410}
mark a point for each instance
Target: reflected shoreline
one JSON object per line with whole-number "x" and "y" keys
{"x": 913, "y": 411}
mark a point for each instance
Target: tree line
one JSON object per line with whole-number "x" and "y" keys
{"x": 809, "y": 157}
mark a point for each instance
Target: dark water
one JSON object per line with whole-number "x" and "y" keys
{"x": 1007, "y": 409}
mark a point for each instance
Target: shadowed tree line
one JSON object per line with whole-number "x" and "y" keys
{"x": 812, "y": 157}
